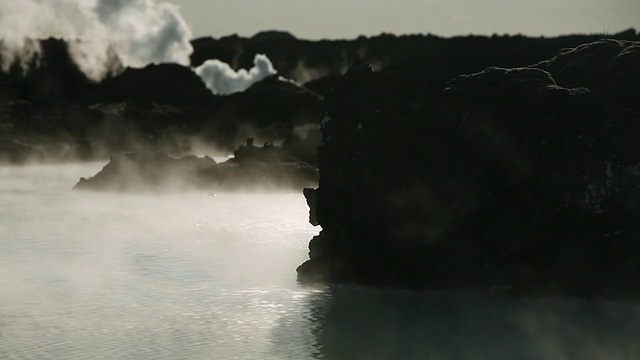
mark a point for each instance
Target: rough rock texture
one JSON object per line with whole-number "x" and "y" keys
{"x": 508, "y": 178}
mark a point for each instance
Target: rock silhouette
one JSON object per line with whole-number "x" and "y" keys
{"x": 523, "y": 179}
{"x": 47, "y": 101}
{"x": 266, "y": 168}
{"x": 164, "y": 107}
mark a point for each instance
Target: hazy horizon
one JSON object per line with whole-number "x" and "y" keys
{"x": 332, "y": 19}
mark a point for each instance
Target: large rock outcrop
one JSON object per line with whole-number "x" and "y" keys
{"x": 508, "y": 178}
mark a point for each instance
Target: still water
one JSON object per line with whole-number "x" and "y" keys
{"x": 212, "y": 276}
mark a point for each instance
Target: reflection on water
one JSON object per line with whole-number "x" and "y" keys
{"x": 211, "y": 276}
{"x": 351, "y": 322}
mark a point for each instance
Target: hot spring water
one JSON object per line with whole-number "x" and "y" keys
{"x": 212, "y": 276}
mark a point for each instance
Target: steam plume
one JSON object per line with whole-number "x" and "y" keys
{"x": 220, "y": 78}
{"x": 99, "y": 33}
{"x": 138, "y": 31}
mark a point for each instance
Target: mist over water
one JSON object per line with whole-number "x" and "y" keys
{"x": 203, "y": 276}
{"x": 90, "y": 275}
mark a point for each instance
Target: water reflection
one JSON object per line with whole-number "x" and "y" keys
{"x": 349, "y": 322}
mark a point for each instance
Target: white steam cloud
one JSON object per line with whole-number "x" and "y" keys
{"x": 104, "y": 34}
{"x": 222, "y": 79}
{"x": 139, "y": 32}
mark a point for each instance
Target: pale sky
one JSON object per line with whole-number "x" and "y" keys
{"x": 336, "y": 19}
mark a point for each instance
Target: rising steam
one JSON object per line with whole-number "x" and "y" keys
{"x": 133, "y": 33}
{"x": 140, "y": 32}
{"x": 221, "y": 79}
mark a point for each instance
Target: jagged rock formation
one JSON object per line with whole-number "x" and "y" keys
{"x": 149, "y": 171}
{"x": 158, "y": 172}
{"x": 523, "y": 179}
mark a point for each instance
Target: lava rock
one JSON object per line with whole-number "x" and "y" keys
{"x": 505, "y": 179}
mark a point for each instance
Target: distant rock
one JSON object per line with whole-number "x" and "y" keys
{"x": 273, "y": 35}
{"x": 162, "y": 83}
{"x": 506, "y": 179}
{"x": 16, "y": 152}
{"x": 607, "y": 66}
{"x": 158, "y": 172}
{"x": 432, "y": 58}
{"x": 148, "y": 171}
{"x": 270, "y": 110}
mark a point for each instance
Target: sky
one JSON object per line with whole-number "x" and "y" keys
{"x": 339, "y": 19}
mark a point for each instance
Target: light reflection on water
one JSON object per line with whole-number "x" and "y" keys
{"x": 198, "y": 276}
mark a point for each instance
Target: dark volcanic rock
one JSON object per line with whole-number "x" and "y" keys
{"x": 163, "y": 107}
{"x": 163, "y": 84}
{"x": 167, "y": 108}
{"x": 148, "y": 171}
{"x": 135, "y": 172}
{"x": 608, "y": 66}
{"x": 50, "y": 78}
{"x": 506, "y": 179}
{"x": 16, "y": 152}
{"x": 432, "y": 58}
{"x": 271, "y": 110}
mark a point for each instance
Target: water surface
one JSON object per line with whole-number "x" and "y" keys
{"x": 212, "y": 276}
